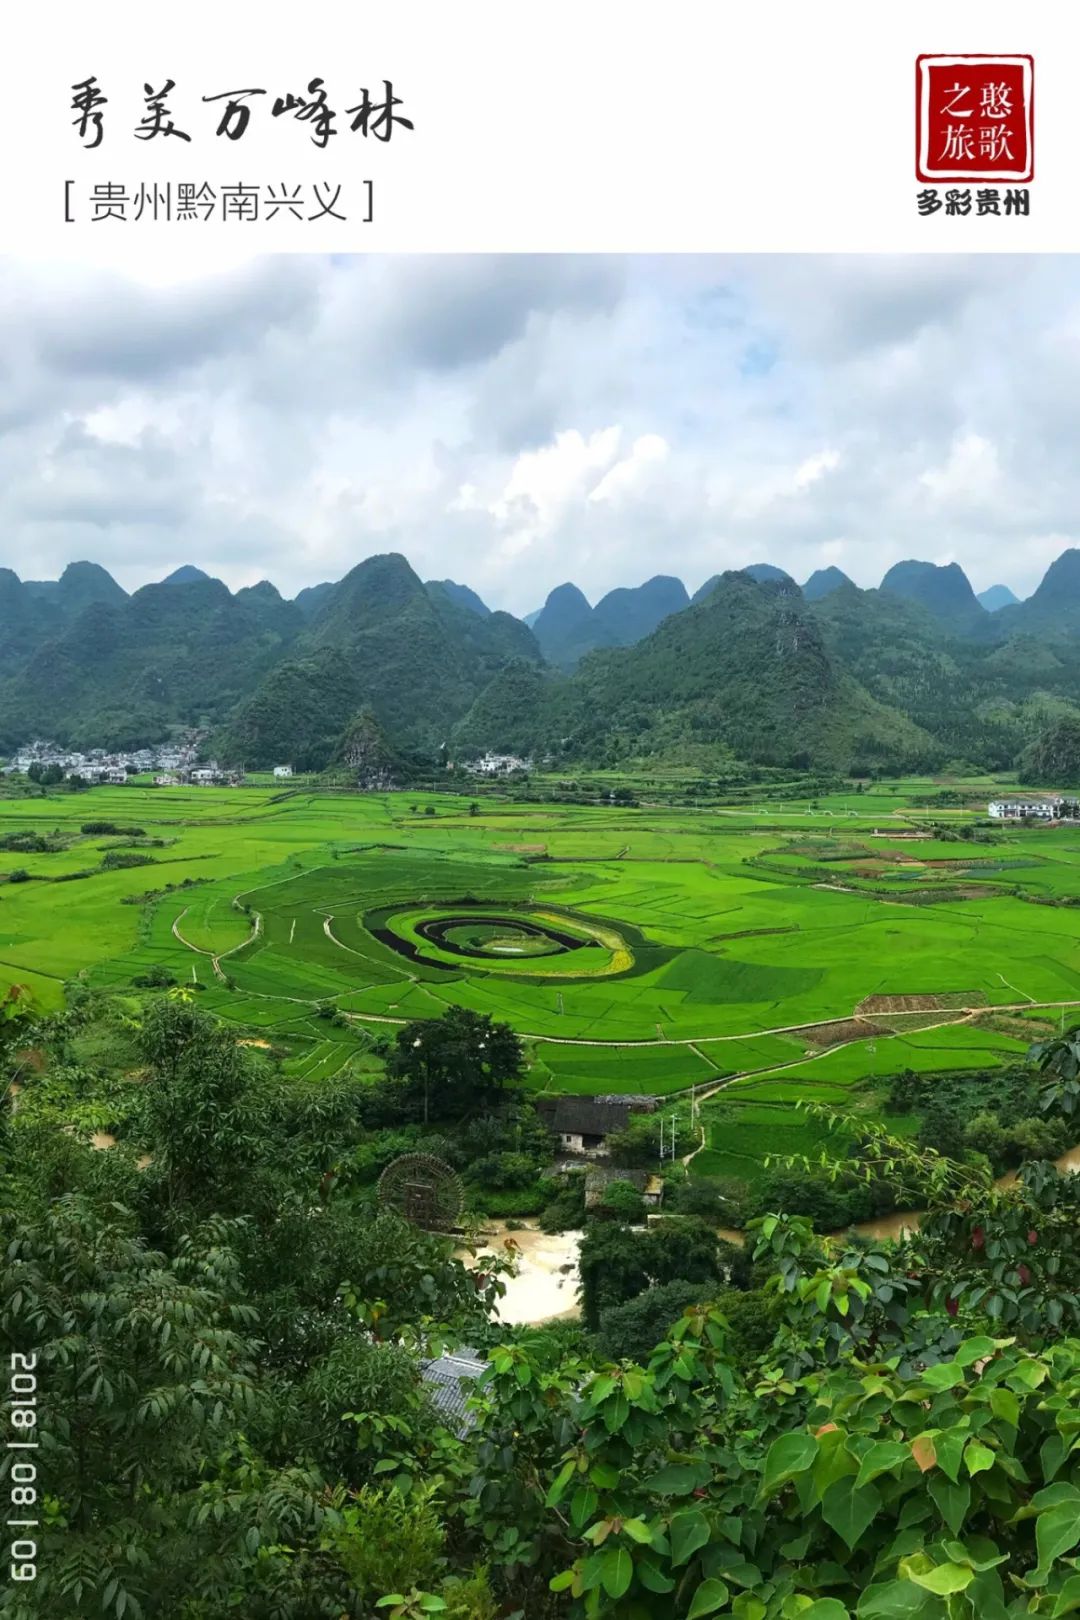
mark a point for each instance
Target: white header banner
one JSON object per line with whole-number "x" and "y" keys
{"x": 571, "y": 125}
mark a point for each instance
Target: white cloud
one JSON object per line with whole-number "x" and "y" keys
{"x": 517, "y": 422}
{"x": 969, "y": 476}
{"x": 815, "y": 467}
{"x": 629, "y": 476}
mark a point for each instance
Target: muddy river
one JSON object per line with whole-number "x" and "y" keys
{"x": 545, "y": 1287}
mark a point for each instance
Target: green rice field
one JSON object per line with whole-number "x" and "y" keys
{"x": 636, "y": 949}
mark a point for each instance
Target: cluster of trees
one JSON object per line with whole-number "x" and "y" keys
{"x": 452, "y": 1086}
{"x": 997, "y": 1114}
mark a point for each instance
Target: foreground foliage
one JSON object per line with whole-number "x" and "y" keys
{"x": 234, "y": 1419}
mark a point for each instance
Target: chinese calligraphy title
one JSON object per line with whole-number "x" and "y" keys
{"x": 373, "y": 114}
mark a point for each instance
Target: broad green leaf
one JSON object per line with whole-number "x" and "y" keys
{"x": 795, "y": 1550}
{"x": 949, "y": 1445}
{"x": 883, "y": 1457}
{"x": 978, "y": 1551}
{"x": 850, "y": 1508}
{"x": 896, "y": 1600}
{"x": 790, "y": 1455}
{"x": 974, "y": 1350}
{"x": 978, "y": 1458}
{"x": 953, "y": 1502}
{"x": 637, "y": 1530}
{"x": 1028, "y": 1375}
{"x": 942, "y": 1579}
{"x": 746, "y": 1607}
{"x": 826, "y": 1609}
{"x": 1056, "y": 1531}
{"x": 946, "y": 1375}
{"x": 583, "y": 1505}
{"x": 688, "y": 1530}
{"x": 1050, "y": 1496}
{"x": 1052, "y": 1454}
{"x": 834, "y": 1461}
{"x": 1004, "y": 1405}
{"x": 559, "y": 1484}
{"x": 1068, "y": 1599}
{"x": 675, "y": 1479}
{"x": 987, "y": 1596}
{"x": 729, "y": 1563}
{"x": 615, "y": 1411}
{"x": 616, "y": 1571}
{"x": 652, "y": 1578}
{"x": 710, "y": 1596}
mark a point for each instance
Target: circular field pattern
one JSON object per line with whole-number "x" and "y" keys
{"x": 501, "y": 939}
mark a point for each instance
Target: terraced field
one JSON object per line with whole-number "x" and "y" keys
{"x": 638, "y": 949}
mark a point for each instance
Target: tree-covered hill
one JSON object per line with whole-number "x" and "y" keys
{"x": 914, "y": 673}
{"x": 943, "y": 589}
{"x": 121, "y": 673}
{"x": 981, "y": 700}
{"x": 749, "y": 668}
{"x": 567, "y": 628}
{"x": 380, "y": 639}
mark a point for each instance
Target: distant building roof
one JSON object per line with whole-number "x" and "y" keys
{"x": 591, "y": 1116}
{"x": 599, "y": 1177}
{"x": 448, "y": 1378}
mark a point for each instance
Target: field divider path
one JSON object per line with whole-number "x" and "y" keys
{"x": 216, "y": 958}
{"x": 705, "y": 1090}
{"x": 750, "y": 1034}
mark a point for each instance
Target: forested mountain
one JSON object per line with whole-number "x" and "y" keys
{"x": 380, "y": 640}
{"x": 567, "y": 627}
{"x": 186, "y": 574}
{"x": 33, "y": 610}
{"x": 822, "y": 581}
{"x": 758, "y": 571}
{"x": 561, "y": 627}
{"x": 312, "y": 597}
{"x": 917, "y": 670}
{"x": 944, "y": 590}
{"x": 747, "y": 668}
{"x": 1054, "y": 609}
{"x": 122, "y": 673}
{"x": 624, "y": 616}
{"x": 996, "y": 597}
{"x": 461, "y": 594}
{"x": 744, "y": 673}
{"x": 981, "y": 700}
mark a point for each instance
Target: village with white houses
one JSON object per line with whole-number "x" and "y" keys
{"x": 173, "y": 765}
{"x": 1023, "y": 808}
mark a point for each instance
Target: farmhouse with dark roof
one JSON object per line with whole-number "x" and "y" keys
{"x": 583, "y": 1124}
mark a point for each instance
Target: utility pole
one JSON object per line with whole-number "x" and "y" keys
{"x": 418, "y": 1046}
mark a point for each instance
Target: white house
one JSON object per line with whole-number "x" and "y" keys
{"x": 282, "y": 770}
{"x": 1034, "y": 809}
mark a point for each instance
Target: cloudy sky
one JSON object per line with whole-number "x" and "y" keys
{"x": 515, "y": 422}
